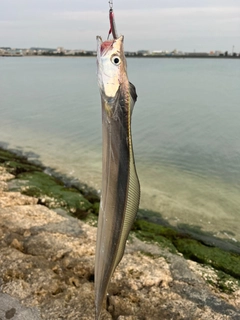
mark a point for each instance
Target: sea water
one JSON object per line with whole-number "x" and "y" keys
{"x": 185, "y": 126}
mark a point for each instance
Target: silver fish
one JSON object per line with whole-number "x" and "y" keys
{"x": 120, "y": 185}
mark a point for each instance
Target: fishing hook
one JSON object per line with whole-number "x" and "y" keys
{"x": 110, "y": 4}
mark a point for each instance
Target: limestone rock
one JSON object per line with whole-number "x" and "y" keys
{"x": 10, "y": 308}
{"x": 9, "y": 199}
{"x": 47, "y": 272}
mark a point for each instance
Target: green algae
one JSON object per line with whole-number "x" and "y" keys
{"x": 221, "y": 260}
{"x": 227, "y": 283}
{"x": 53, "y": 193}
{"x": 221, "y": 281}
{"x": 151, "y": 232}
{"x": 16, "y": 164}
{"x": 18, "y": 167}
{"x": 3, "y": 157}
{"x": 6, "y": 155}
{"x": 91, "y": 219}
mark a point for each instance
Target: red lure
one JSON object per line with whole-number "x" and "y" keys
{"x": 113, "y": 29}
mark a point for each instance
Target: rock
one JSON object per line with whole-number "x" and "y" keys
{"x": 4, "y": 176}
{"x": 9, "y": 199}
{"x": 47, "y": 272}
{"x": 10, "y": 308}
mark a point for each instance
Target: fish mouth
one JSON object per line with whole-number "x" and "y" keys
{"x": 104, "y": 46}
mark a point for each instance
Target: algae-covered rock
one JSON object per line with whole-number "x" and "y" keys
{"x": 16, "y": 164}
{"x": 53, "y": 193}
{"x": 18, "y": 167}
{"x": 221, "y": 260}
{"x": 148, "y": 231}
{"x": 47, "y": 259}
{"x": 47, "y": 265}
{"x": 6, "y": 156}
{"x": 31, "y": 180}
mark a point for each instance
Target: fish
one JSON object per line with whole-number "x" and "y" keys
{"x": 120, "y": 194}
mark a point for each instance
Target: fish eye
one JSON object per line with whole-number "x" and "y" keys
{"x": 116, "y": 60}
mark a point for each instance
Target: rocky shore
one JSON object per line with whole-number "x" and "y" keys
{"x": 47, "y": 259}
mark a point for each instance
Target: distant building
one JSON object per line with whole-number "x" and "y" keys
{"x": 60, "y": 50}
{"x": 10, "y": 52}
{"x": 216, "y": 53}
{"x": 157, "y": 52}
{"x": 143, "y": 52}
{"x": 130, "y": 54}
{"x": 180, "y": 53}
{"x": 70, "y": 52}
{"x": 197, "y": 54}
{"x": 160, "y": 53}
{"x": 80, "y": 52}
{"x": 4, "y": 50}
{"x": 30, "y": 52}
{"x": 174, "y": 52}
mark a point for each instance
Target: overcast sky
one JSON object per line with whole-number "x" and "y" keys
{"x": 187, "y": 25}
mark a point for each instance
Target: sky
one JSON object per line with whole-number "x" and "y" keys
{"x": 185, "y": 25}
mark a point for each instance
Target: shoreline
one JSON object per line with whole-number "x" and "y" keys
{"x": 128, "y": 56}
{"x": 38, "y": 221}
{"x": 93, "y": 199}
{"x": 80, "y": 201}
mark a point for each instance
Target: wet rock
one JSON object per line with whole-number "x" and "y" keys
{"x": 52, "y": 193}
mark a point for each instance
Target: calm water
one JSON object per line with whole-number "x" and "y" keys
{"x": 186, "y": 130}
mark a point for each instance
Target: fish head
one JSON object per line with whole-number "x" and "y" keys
{"x": 111, "y": 64}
